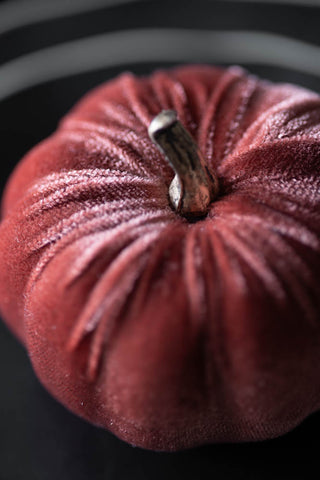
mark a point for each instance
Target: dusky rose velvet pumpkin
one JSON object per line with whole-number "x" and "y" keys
{"x": 172, "y": 333}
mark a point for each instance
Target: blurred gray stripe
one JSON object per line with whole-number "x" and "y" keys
{"x": 19, "y": 13}
{"x": 22, "y": 13}
{"x": 153, "y": 45}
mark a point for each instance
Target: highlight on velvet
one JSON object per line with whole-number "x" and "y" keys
{"x": 169, "y": 329}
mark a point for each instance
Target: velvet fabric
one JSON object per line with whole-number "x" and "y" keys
{"x": 168, "y": 333}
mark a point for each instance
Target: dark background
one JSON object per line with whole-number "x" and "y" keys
{"x": 39, "y": 439}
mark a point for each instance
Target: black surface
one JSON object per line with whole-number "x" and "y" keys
{"x": 39, "y": 439}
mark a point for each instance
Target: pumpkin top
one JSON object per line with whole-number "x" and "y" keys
{"x": 107, "y": 284}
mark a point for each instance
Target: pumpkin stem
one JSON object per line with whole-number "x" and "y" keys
{"x": 194, "y": 187}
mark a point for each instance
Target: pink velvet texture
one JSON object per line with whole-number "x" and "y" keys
{"x": 172, "y": 334}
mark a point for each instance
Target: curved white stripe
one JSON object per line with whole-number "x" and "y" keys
{"x": 19, "y": 13}
{"x": 135, "y": 46}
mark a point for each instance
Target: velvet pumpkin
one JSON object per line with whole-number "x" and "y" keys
{"x": 172, "y": 333}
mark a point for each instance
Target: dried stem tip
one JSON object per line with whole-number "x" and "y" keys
{"x": 194, "y": 186}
